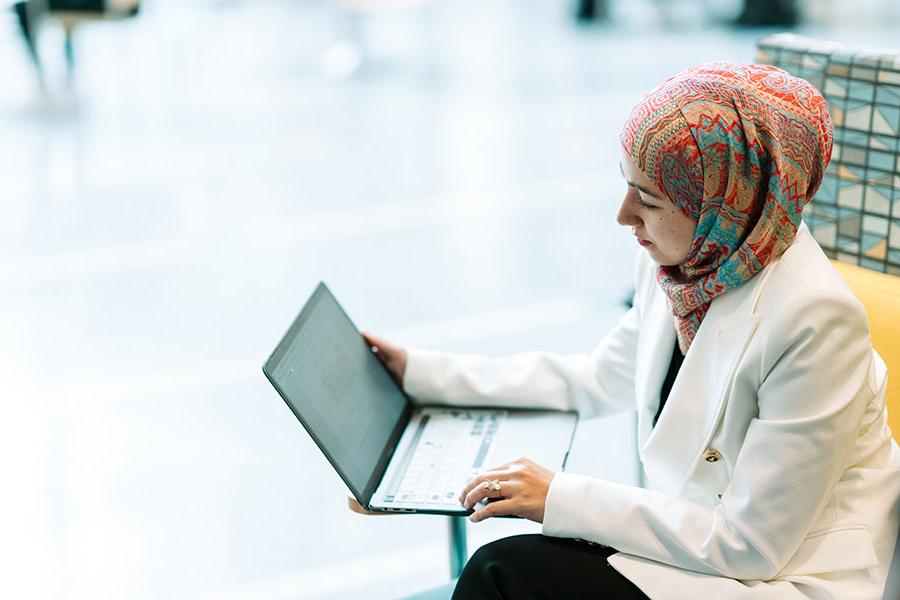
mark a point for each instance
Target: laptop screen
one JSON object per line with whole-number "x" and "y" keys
{"x": 338, "y": 389}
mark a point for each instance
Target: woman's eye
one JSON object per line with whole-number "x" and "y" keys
{"x": 645, "y": 205}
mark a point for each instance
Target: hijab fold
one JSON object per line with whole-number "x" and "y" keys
{"x": 740, "y": 149}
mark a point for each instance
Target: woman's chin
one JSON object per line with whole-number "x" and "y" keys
{"x": 661, "y": 258}
{"x": 653, "y": 253}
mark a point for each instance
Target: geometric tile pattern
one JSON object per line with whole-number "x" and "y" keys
{"x": 855, "y": 216}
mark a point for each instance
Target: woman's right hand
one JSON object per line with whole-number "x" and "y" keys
{"x": 393, "y": 357}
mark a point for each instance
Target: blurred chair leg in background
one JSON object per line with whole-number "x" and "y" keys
{"x": 28, "y": 12}
{"x": 588, "y": 11}
{"x": 70, "y": 13}
{"x": 769, "y": 13}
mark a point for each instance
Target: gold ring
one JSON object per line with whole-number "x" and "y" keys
{"x": 491, "y": 485}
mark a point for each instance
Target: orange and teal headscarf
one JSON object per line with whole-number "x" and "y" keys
{"x": 740, "y": 149}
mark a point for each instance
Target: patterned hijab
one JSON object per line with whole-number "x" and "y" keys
{"x": 740, "y": 149}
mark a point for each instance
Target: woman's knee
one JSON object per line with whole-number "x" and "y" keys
{"x": 495, "y": 566}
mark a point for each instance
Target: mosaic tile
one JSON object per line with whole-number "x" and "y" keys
{"x": 850, "y": 196}
{"x": 873, "y": 246}
{"x": 864, "y": 60}
{"x": 838, "y": 70}
{"x": 827, "y": 190}
{"x": 878, "y": 200}
{"x": 877, "y": 177}
{"x": 860, "y": 90}
{"x": 860, "y": 139}
{"x": 843, "y": 57}
{"x": 858, "y": 117}
{"x": 891, "y": 77}
{"x": 881, "y": 160}
{"x": 837, "y": 115}
{"x": 835, "y": 88}
{"x": 826, "y": 235}
{"x": 894, "y": 236}
{"x": 853, "y": 156}
{"x": 791, "y": 56}
{"x": 886, "y": 119}
{"x": 813, "y": 61}
{"x": 890, "y": 62}
{"x": 837, "y": 149}
{"x": 885, "y": 142}
{"x": 849, "y": 246}
{"x": 849, "y": 224}
{"x": 878, "y": 226}
{"x": 887, "y": 94}
{"x": 825, "y": 212}
{"x": 849, "y": 174}
{"x": 864, "y": 73}
{"x": 817, "y": 79}
{"x": 875, "y": 265}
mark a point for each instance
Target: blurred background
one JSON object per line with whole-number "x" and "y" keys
{"x": 177, "y": 175}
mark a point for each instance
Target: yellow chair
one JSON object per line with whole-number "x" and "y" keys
{"x": 880, "y": 295}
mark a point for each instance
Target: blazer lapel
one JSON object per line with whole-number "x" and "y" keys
{"x": 654, "y": 351}
{"x": 670, "y": 451}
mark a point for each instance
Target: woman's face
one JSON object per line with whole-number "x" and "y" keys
{"x": 659, "y": 227}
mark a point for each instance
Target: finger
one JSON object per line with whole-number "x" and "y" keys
{"x": 506, "y": 467}
{"x": 494, "y": 509}
{"x": 507, "y": 490}
{"x": 480, "y": 479}
{"x": 376, "y": 345}
{"x": 371, "y": 339}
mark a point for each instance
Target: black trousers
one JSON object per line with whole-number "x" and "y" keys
{"x": 538, "y": 567}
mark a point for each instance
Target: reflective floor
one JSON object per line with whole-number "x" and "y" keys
{"x": 449, "y": 168}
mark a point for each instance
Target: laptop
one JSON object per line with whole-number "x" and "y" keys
{"x": 395, "y": 456}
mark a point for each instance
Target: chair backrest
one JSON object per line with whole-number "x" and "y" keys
{"x": 880, "y": 295}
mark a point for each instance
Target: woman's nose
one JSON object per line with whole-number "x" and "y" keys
{"x": 626, "y": 216}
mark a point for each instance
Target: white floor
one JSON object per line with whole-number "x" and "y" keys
{"x": 162, "y": 220}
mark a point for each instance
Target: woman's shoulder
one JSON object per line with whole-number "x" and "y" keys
{"x": 805, "y": 270}
{"x": 804, "y": 284}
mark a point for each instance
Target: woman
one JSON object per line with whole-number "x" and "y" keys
{"x": 771, "y": 472}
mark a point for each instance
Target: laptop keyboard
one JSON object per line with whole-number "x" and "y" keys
{"x": 450, "y": 448}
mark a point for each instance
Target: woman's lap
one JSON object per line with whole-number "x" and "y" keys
{"x": 535, "y": 566}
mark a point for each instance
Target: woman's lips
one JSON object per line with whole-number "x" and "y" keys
{"x": 643, "y": 242}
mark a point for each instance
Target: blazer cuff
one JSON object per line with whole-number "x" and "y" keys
{"x": 578, "y": 506}
{"x": 419, "y": 377}
{"x": 566, "y": 499}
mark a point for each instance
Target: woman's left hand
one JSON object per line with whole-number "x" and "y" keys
{"x": 523, "y": 491}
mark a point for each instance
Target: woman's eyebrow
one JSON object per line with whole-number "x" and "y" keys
{"x": 638, "y": 187}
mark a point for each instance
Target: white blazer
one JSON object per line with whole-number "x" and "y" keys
{"x": 771, "y": 472}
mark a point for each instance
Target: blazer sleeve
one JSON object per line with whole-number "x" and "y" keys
{"x": 592, "y": 383}
{"x": 599, "y": 382}
{"x": 814, "y": 386}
